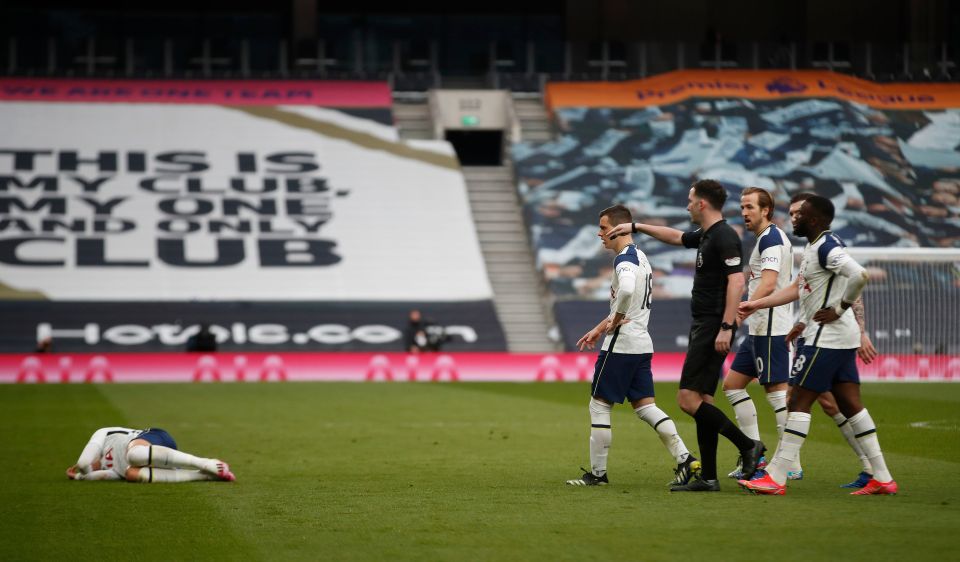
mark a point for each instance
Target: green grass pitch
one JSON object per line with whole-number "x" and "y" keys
{"x": 454, "y": 472}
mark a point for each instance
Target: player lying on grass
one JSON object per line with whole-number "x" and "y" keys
{"x": 832, "y": 282}
{"x": 143, "y": 455}
{"x": 622, "y": 371}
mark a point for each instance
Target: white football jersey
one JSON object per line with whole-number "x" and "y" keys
{"x": 772, "y": 251}
{"x": 109, "y": 446}
{"x": 824, "y": 287}
{"x": 633, "y": 336}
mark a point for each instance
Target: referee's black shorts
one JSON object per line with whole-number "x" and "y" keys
{"x": 703, "y": 366}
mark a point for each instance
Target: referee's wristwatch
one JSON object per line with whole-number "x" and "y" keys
{"x": 731, "y": 327}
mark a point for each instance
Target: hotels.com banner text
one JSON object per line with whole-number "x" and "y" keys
{"x": 385, "y": 367}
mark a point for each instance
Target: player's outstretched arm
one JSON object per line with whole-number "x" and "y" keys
{"x": 589, "y": 340}
{"x": 785, "y": 295}
{"x": 661, "y": 233}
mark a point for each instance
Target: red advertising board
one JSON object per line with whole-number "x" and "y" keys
{"x": 346, "y": 93}
{"x": 384, "y": 367}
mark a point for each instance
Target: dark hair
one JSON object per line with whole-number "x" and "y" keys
{"x": 712, "y": 192}
{"x": 618, "y": 214}
{"x": 763, "y": 198}
{"x": 822, "y": 207}
{"x": 802, "y": 196}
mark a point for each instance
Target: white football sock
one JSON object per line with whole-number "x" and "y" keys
{"x": 847, "y": 430}
{"x": 778, "y": 401}
{"x": 794, "y": 433}
{"x": 168, "y": 475}
{"x": 866, "y": 433}
{"x": 600, "y": 436}
{"x": 745, "y": 411}
{"x": 165, "y": 457}
{"x": 666, "y": 430}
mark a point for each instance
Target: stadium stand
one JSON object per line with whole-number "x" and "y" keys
{"x": 890, "y": 171}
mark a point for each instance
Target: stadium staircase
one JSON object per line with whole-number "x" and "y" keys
{"x": 534, "y": 121}
{"x": 412, "y": 118}
{"x": 519, "y": 293}
{"x": 520, "y": 296}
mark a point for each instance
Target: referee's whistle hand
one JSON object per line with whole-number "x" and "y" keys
{"x": 722, "y": 343}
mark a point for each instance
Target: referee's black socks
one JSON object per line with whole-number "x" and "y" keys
{"x": 712, "y": 420}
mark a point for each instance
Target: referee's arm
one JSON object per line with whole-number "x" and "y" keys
{"x": 735, "y": 284}
{"x": 661, "y": 233}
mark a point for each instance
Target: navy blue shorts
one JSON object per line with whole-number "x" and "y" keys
{"x": 619, "y": 376}
{"x": 819, "y": 368}
{"x": 765, "y": 358}
{"x": 157, "y": 436}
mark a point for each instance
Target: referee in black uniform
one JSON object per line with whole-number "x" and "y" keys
{"x": 717, "y": 288}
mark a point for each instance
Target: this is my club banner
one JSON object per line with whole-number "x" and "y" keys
{"x": 183, "y": 201}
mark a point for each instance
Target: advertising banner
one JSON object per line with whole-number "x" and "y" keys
{"x": 245, "y": 326}
{"x": 382, "y": 367}
{"x": 673, "y": 87}
{"x": 174, "y": 202}
{"x": 220, "y": 92}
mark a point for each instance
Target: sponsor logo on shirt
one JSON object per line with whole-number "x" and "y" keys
{"x": 732, "y": 261}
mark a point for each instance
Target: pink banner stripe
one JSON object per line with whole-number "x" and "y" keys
{"x": 218, "y": 92}
{"x": 383, "y": 367}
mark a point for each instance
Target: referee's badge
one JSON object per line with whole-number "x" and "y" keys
{"x": 732, "y": 261}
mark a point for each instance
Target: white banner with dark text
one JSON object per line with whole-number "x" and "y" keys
{"x": 173, "y": 202}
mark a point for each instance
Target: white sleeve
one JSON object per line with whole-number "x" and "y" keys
{"x": 857, "y": 278}
{"x": 627, "y": 278}
{"x": 93, "y": 450}
{"x": 99, "y": 475}
{"x": 770, "y": 258}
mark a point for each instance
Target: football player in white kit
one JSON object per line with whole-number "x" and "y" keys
{"x": 143, "y": 455}
{"x": 832, "y": 281}
{"x": 764, "y": 354}
{"x": 622, "y": 371}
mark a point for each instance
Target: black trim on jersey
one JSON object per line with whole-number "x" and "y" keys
{"x": 770, "y": 321}
{"x": 826, "y": 298}
{"x": 118, "y": 431}
{"x": 613, "y": 339}
{"x": 865, "y": 433}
